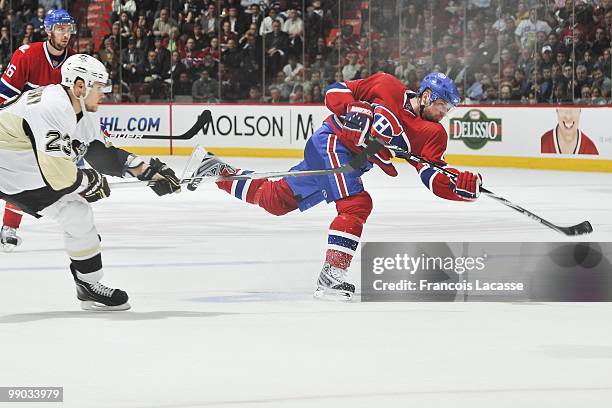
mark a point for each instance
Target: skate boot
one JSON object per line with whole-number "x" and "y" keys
{"x": 9, "y": 239}
{"x": 96, "y": 296}
{"x": 211, "y": 166}
{"x": 331, "y": 284}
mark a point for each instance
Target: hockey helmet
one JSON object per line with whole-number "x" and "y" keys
{"x": 442, "y": 87}
{"x": 59, "y": 16}
{"x": 87, "y": 68}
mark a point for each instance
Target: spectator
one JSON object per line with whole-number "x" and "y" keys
{"x": 283, "y": 86}
{"x": 114, "y": 36}
{"x": 452, "y": 66}
{"x": 254, "y": 95}
{"x": 38, "y": 25}
{"x": 164, "y": 25}
{"x": 277, "y": 44}
{"x": 596, "y": 98}
{"x": 602, "y": 82}
{"x": 293, "y": 71}
{"x": 275, "y": 95}
{"x": 201, "y": 41}
{"x": 316, "y": 94}
{"x": 251, "y": 58}
{"x": 213, "y": 49}
{"x": 109, "y": 56}
{"x": 183, "y": 86}
{"x": 174, "y": 42}
{"x": 191, "y": 58}
{"x": 585, "y": 96}
{"x": 125, "y": 27}
{"x": 505, "y": 94}
{"x": 546, "y": 85}
{"x": 526, "y": 30}
{"x": 581, "y": 80}
{"x": 128, "y": 6}
{"x": 351, "y": 69}
{"x": 132, "y": 61}
{"x": 547, "y": 54}
{"x": 162, "y": 55}
{"x": 230, "y": 85}
{"x": 231, "y": 58}
{"x": 175, "y": 69}
{"x": 226, "y": 35}
{"x": 297, "y": 95}
{"x": 211, "y": 65}
{"x": 205, "y": 89}
{"x": 560, "y": 95}
{"x": 266, "y": 24}
{"x": 152, "y": 74}
{"x": 211, "y": 23}
{"x": 255, "y": 17}
{"x": 142, "y": 41}
{"x": 236, "y": 23}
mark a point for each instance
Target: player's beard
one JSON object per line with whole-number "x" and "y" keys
{"x": 57, "y": 44}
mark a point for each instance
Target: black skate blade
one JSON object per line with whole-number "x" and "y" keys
{"x": 92, "y": 306}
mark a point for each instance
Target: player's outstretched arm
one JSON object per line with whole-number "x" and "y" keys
{"x": 117, "y": 162}
{"x": 464, "y": 187}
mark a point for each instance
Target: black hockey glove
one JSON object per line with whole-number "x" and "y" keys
{"x": 97, "y": 186}
{"x": 162, "y": 178}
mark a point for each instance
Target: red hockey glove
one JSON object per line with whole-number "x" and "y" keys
{"x": 467, "y": 185}
{"x": 357, "y": 121}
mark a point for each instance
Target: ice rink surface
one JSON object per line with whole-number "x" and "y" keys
{"x": 223, "y": 313}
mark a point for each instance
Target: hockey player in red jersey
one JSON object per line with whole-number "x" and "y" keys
{"x": 380, "y": 106}
{"x": 34, "y": 65}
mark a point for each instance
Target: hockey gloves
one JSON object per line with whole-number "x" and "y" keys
{"x": 96, "y": 187}
{"x": 357, "y": 122}
{"x": 162, "y": 178}
{"x": 467, "y": 185}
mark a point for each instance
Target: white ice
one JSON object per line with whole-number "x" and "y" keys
{"x": 223, "y": 313}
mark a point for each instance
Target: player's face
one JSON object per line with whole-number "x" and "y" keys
{"x": 435, "y": 111}
{"x": 60, "y": 36}
{"x": 95, "y": 96}
{"x": 569, "y": 118}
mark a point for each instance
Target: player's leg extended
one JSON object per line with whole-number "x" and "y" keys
{"x": 10, "y": 224}
{"x": 82, "y": 243}
{"x": 354, "y": 206}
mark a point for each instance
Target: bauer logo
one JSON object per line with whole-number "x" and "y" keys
{"x": 475, "y": 129}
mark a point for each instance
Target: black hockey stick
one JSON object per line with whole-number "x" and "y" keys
{"x": 202, "y": 120}
{"x": 578, "y": 229}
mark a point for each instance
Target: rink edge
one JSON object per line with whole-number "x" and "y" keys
{"x": 544, "y": 163}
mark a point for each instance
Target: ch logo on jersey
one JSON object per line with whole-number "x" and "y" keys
{"x": 386, "y": 125}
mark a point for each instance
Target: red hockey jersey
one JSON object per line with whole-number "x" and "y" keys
{"x": 550, "y": 144}
{"x": 31, "y": 67}
{"x": 424, "y": 138}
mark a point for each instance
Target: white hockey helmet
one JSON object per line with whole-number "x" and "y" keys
{"x": 87, "y": 68}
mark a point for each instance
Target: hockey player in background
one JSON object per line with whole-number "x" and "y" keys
{"x": 380, "y": 106}
{"x": 43, "y": 133}
{"x": 34, "y": 65}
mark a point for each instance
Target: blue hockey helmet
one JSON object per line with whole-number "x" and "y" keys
{"x": 440, "y": 86}
{"x": 59, "y": 16}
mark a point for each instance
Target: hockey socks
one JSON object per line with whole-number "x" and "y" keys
{"x": 275, "y": 197}
{"x": 12, "y": 216}
{"x": 345, "y": 230}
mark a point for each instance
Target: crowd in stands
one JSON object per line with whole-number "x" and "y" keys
{"x": 288, "y": 51}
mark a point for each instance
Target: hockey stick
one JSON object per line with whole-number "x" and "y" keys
{"x": 356, "y": 163}
{"x": 203, "y": 119}
{"x": 578, "y": 229}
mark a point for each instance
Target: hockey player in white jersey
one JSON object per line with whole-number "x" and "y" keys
{"x": 42, "y": 134}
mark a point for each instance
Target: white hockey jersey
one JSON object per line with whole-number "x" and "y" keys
{"x": 36, "y": 155}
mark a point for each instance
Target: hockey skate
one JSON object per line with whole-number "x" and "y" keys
{"x": 9, "y": 239}
{"x": 97, "y": 297}
{"x": 210, "y": 166}
{"x": 331, "y": 284}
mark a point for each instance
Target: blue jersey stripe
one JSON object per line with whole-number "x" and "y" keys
{"x": 240, "y": 185}
{"x": 342, "y": 241}
{"x": 426, "y": 176}
{"x": 336, "y": 85}
{"x": 6, "y": 91}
